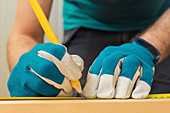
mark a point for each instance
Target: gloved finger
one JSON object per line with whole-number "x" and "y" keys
{"x": 63, "y": 91}
{"x": 127, "y": 77}
{"x": 90, "y": 89}
{"x": 143, "y": 85}
{"x": 109, "y": 75}
{"x": 66, "y": 66}
{"x": 46, "y": 79}
{"x": 79, "y": 61}
{"x": 59, "y": 53}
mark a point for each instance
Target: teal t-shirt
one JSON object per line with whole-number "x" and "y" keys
{"x": 112, "y": 15}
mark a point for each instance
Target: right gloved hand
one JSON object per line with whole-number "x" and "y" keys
{"x": 46, "y": 70}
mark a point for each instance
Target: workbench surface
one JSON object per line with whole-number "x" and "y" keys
{"x": 86, "y": 106}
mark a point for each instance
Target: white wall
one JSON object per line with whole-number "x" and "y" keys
{"x": 7, "y": 15}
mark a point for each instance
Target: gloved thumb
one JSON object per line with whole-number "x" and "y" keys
{"x": 79, "y": 61}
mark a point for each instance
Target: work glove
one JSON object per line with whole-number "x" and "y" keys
{"x": 121, "y": 72}
{"x": 46, "y": 70}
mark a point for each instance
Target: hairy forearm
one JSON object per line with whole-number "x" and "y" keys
{"x": 159, "y": 35}
{"x": 19, "y": 44}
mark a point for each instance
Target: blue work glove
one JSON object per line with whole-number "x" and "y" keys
{"x": 117, "y": 69}
{"x": 46, "y": 70}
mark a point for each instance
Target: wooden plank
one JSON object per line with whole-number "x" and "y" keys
{"x": 87, "y": 106}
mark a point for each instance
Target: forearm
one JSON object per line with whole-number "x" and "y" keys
{"x": 26, "y": 31}
{"x": 159, "y": 35}
{"x": 17, "y": 45}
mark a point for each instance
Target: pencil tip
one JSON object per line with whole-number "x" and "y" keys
{"x": 81, "y": 94}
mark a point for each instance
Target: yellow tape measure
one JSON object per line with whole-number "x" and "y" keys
{"x": 73, "y": 98}
{"x": 40, "y": 98}
{"x": 167, "y": 95}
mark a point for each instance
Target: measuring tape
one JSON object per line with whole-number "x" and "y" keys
{"x": 40, "y": 98}
{"x": 167, "y": 95}
{"x": 153, "y": 96}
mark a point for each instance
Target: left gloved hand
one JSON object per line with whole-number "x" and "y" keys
{"x": 108, "y": 78}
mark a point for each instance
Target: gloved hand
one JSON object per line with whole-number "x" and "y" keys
{"x": 117, "y": 69}
{"x": 46, "y": 70}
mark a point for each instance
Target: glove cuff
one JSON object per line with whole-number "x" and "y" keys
{"x": 150, "y": 47}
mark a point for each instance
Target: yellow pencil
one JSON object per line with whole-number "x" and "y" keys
{"x": 51, "y": 35}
